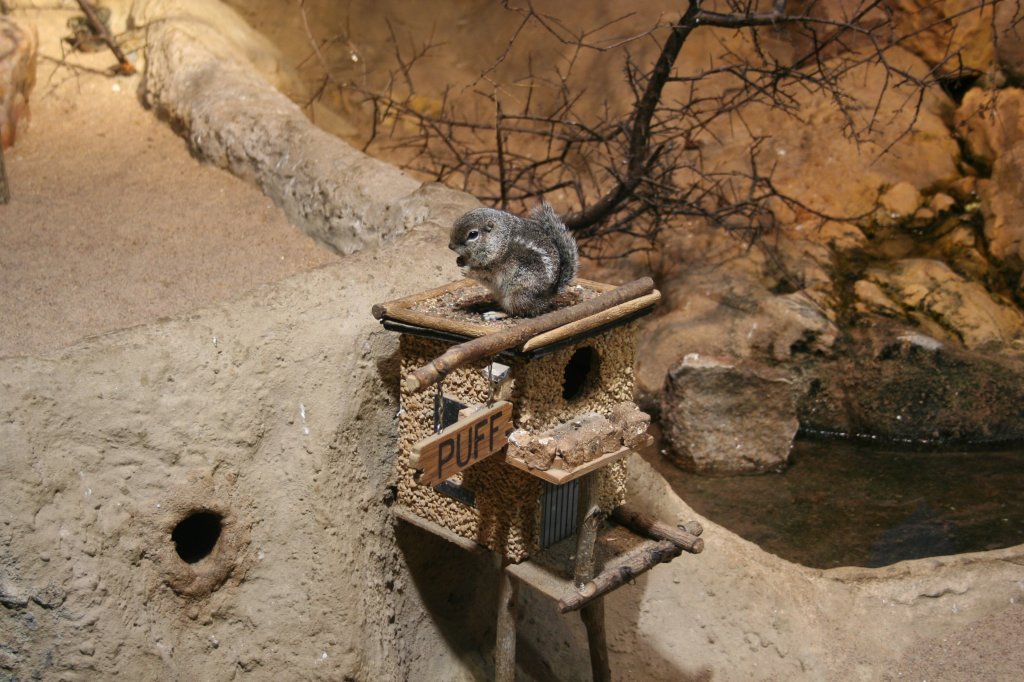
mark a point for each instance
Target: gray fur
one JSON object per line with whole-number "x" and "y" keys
{"x": 524, "y": 262}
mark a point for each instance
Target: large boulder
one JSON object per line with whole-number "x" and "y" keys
{"x": 725, "y": 415}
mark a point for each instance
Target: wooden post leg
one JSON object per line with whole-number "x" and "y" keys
{"x": 505, "y": 646}
{"x": 593, "y": 619}
{"x": 589, "y": 518}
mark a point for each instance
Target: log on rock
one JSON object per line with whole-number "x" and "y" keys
{"x": 492, "y": 344}
{"x": 642, "y": 561}
{"x": 653, "y": 528}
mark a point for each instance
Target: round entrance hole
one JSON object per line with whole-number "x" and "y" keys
{"x": 580, "y": 372}
{"x": 196, "y": 535}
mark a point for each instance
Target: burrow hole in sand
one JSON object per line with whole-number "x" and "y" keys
{"x": 196, "y": 535}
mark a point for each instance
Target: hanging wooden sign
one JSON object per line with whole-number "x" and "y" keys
{"x": 462, "y": 444}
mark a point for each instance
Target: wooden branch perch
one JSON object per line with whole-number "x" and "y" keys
{"x": 653, "y": 528}
{"x": 492, "y": 344}
{"x": 644, "y": 560}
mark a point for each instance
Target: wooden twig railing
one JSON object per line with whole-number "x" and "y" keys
{"x": 492, "y": 344}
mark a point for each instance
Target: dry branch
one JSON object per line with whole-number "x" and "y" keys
{"x": 512, "y": 138}
{"x": 124, "y": 67}
{"x": 492, "y": 344}
{"x": 653, "y": 528}
{"x": 644, "y": 560}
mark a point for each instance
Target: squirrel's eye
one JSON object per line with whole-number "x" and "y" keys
{"x": 473, "y": 234}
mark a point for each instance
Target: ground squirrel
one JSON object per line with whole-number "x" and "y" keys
{"x": 524, "y": 262}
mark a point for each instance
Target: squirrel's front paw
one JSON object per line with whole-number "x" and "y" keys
{"x": 495, "y": 315}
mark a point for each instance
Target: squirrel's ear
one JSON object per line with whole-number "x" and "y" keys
{"x": 489, "y": 225}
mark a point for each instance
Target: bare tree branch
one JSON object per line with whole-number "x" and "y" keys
{"x": 635, "y": 172}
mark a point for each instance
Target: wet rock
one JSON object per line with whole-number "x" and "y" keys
{"x": 942, "y": 302}
{"x": 18, "y": 46}
{"x": 898, "y": 385}
{"x": 726, "y": 415}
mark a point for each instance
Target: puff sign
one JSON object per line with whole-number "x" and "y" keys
{"x": 462, "y": 444}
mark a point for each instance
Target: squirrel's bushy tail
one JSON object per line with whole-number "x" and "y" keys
{"x": 564, "y": 242}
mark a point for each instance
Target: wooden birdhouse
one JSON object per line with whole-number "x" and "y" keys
{"x": 561, "y": 398}
{"x": 514, "y": 435}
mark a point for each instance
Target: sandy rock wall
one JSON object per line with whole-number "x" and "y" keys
{"x": 202, "y": 60}
{"x": 735, "y": 612}
{"x": 276, "y": 414}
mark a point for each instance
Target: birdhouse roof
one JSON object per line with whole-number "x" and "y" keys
{"x": 455, "y": 312}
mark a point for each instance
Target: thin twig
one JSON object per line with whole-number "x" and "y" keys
{"x": 124, "y": 67}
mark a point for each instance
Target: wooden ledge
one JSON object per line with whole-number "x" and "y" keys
{"x": 561, "y": 476}
{"x": 413, "y": 519}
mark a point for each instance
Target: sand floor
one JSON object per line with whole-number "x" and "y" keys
{"x": 112, "y": 223}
